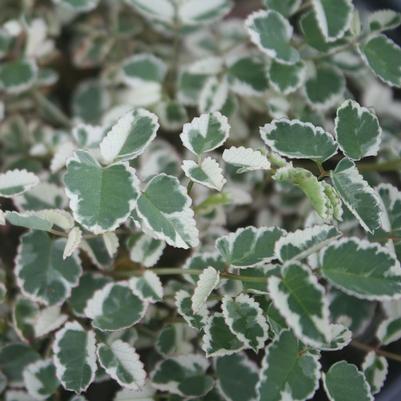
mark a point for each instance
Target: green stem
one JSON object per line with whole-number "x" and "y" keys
{"x": 52, "y": 110}
{"x": 369, "y": 348}
{"x": 392, "y": 165}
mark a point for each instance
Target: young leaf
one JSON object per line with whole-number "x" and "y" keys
{"x": 249, "y": 246}
{"x": 272, "y": 33}
{"x": 74, "y": 352}
{"x": 114, "y": 307}
{"x": 213, "y": 95}
{"x": 309, "y": 184}
{"x": 183, "y": 302}
{"x": 143, "y": 69}
{"x": 376, "y": 276}
{"x": 231, "y": 367}
{"x": 357, "y": 131}
{"x": 122, "y": 363}
{"x": 286, "y": 78}
{"x": 246, "y": 159}
{"x": 218, "y": 339}
{"x": 207, "y": 173}
{"x": 16, "y": 182}
{"x": 205, "y": 133}
{"x": 129, "y": 136}
{"x": 325, "y": 88}
{"x": 42, "y": 273}
{"x": 340, "y": 337}
{"x": 389, "y": 330}
{"x": 164, "y": 209}
{"x": 302, "y": 302}
{"x": 285, "y": 7}
{"x": 344, "y": 382}
{"x": 40, "y": 379}
{"x": 383, "y": 20}
{"x": 362, "y": 201}
{"x": 101, "y": 198}
{"x": 148, "y": 286}
{"x": 375, "y": 369}
{"x": 29, "y": 220}
{"x": 302, "y": 243}
{"x": 246, "y": 320}
{"x": 334, "y": 17}
{"x": 207, "y": 282}
{"x": 73, "y": 241}
{"x": 184, "y": 375}
{"x": 298, "y": 140}
{"x": 144, "y": 249}
{"x": 383, "y": 57}
{"x": 18, "y": 76}
{"x": 287, "y": 372}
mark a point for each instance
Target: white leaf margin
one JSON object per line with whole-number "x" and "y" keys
{"x": 208, "y": 280}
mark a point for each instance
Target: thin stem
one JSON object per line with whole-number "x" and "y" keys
{"x": 392, "y": 165}
{"x": 189, "y": 187}
{"x": 369, "y": 348}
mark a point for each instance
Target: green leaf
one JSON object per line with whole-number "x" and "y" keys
{"x": 383, "y": 57}
{"x": 375, "y": 369}
{"x": 362, "y": 201}
{"x": 333, "y": 17}
{"x": 148, "y": 286}
{"x": 16, "y": 182}
{"x": 114, "y": 307}
{"x": 383, "y": 20}
{"x": 18, "y": 76}
{"x": 249, "y": 246}
{"x": 145, "y": 394}
{"x": 101, "y": 198}
{"x": 229, "y": 369}
{"x": 302, "y": 302}
{"x": 247, "y": 76}
{"x": 389, "y": 330}
{"x": 246, "y": 320}
{"x": 301, "y": 243}
{"x": 298, "y": 140}
{"x": 286, "y": 78}
{"x": 183, "y": 302}
{"x": 285, "y": 7}
{"x": 272, "y": 33}
{"x": 74, "y": 352}
{"x": 172, "y": 114}
{"x": 121, "y": 362}
{"x": 89, "y": 283}
{"x": 213, "y": 95}
{"x": 78, "y": 6}
{"x": 344, "y": 382}
{"x": 129, "y": 136}
{"x": 205, "y": 133}
{"x": 246, "y": 159}
{"x": 325, "y": 88}
{"x": 165, "y": 211}
{"x": 340, "y": 337}
{"x": 287, "y": 371}
{"x": 174, "y": 339}
{"x": 218, "y": 339}
{"x": 161, "y": 10}
{"x": 376, "y": 275}
{"x": 190, "y": 85}
{"x": 313, "y": 36}
{"x": 144, "y": 249}
{"x": 40, "y": 379}
{"x": 143, "y": 69}
{"x": 184, "y": 375}
{"x": 310, "y": 186}
{"x": 14, "y": 357}
{"x": 357, "y": 130}
{"x": 207, "y": 173}
{"x": 42, "y": 273}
